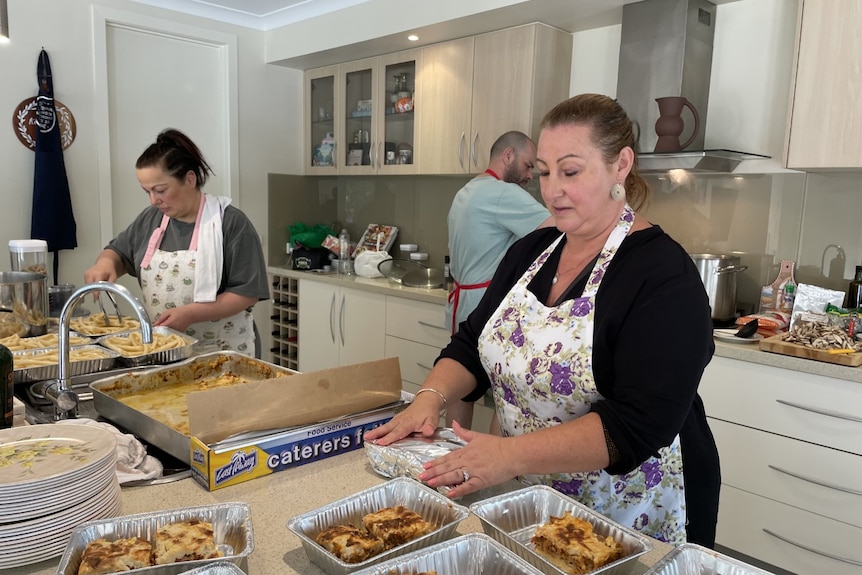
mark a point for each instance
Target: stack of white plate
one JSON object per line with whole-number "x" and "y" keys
{"x": 52, "y": 479}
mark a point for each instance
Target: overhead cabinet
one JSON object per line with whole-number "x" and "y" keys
{"x": 437, "y": 109}
{"x": 360, "y": 116}
{"x": 472, "y": 90}
{"x": 825, "y": 129}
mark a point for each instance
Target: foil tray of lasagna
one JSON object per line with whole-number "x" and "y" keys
{"x": 471, "y": 554}
{"x": 151, "y": 403}
{"x": 232, "y": 534}
{"x": 434, "y": 508}
{"x": 512, "y": 519}
{"x": 691, "y": 558}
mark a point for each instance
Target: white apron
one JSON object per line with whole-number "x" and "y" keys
{"x": 168, "y": 281}
{"x": 539, "y": 360}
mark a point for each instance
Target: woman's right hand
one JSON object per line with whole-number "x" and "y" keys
{"x": 105, "y": 268}
{"x": 422, "y": 416}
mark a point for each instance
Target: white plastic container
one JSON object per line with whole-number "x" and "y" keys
{"x": 29, "y": 256}
{"x": 419, "y": 256}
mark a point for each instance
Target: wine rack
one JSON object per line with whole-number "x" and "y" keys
{"x": 285, "y": 322}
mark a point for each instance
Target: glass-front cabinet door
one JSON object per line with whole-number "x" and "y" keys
{"x": 395, "y": 147}
{"x": 321, "y": 128}
{"x": 358, "y": 113}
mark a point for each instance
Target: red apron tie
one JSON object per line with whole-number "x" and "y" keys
{"x": 455, "y": 295}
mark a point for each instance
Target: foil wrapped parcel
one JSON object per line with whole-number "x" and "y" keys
{"x": 405, "y": 457}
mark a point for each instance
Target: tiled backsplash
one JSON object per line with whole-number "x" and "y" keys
{"x": 814, "y": 219}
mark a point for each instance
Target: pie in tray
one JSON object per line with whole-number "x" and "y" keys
{"x": 396, "y": 525}
{"x": 570, "y": 544}
{"x": 190, "y": 540}
{"x": 102, "y": 556}
{"x": 349, "y": 543}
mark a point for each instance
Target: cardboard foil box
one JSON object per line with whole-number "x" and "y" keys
{"x": 215, "y": 467}
{"x": 325, "y": 413}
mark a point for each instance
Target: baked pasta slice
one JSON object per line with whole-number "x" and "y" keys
{"x": 102, "y": 556}
{"x": 350, "y": 544}
{"x": 396, "y": 525}
{"x": 190, "y": 540}
{"x": 570, "y": 544}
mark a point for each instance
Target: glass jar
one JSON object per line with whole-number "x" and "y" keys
{"x": 29, "y": 256}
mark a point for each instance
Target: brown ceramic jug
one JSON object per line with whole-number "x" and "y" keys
{"x": 669, "y": 126}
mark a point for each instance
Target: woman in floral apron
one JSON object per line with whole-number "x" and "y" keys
{"x": 198, "y": 260}
{"x": 592, "y": 337}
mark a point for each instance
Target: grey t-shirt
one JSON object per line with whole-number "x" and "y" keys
{"x": 244, "y": 271}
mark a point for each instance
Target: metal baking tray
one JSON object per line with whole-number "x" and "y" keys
{"x": 172, "y": 355}
{"x": 232, "y": 532}
{"x": 220, "y": 568}
{"x": 107, "y": 391}
{"x": 471, "y": 554}
{"x": 43, "y": 372}
{"x": 512, "y": 519}
{"x": 692, "y": 559}
{"x": 432, "y": 506}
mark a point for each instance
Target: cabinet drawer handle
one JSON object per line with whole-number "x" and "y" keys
{"x": 827, "y": 412}
{"x": 473, "y": 148}
{"x": 461, "y": 143}
{"x": 331, "y": 314}
{"x": 423, "y": 366}
{"x": 816, "y": 481}
{"x": 341, "y": 319}
{"x": 812, "y": 550}
{"x": 426, "y": 324}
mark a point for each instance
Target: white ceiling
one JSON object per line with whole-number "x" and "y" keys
{"x": 257, "y": 14}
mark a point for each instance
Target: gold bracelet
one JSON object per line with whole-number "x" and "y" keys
{"x": 431, "y": 389}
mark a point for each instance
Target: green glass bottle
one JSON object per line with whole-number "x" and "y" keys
{"x": 6, "y": 386}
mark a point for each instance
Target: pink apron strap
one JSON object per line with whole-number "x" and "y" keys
{"x": 155, "y": 241}
{"x": 193, "y": 246}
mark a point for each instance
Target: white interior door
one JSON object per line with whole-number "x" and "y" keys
{"x": 156, "y": 75}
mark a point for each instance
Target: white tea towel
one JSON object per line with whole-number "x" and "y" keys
{"x": 133, "y": 463}
{"x": 209, "y": 258}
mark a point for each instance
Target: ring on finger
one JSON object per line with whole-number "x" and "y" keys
{"x": 465, "y": 475}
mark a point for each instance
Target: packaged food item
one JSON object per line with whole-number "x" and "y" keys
{"x": 811, "y": 301}
{"x": 769, "y": 323}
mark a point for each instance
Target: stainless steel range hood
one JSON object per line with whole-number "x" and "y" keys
{"x": 666, "y": 50}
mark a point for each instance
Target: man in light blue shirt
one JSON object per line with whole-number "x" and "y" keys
{"x": 487, "y": 216}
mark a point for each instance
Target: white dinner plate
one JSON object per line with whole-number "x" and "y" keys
{"x": 729, "y": 336}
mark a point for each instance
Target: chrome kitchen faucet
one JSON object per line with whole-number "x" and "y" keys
{"x": 59, "y": 392}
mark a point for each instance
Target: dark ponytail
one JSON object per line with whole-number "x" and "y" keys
{"x": 177, "y": 155}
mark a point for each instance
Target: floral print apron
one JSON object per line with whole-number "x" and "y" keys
{"x": 539, "y": 360}
{"x": 167, "y": 281}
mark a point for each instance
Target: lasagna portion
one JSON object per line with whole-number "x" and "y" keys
{"x": 396, "y": 525}
{"x": 350, "y": 544}
{"x": 190, "y": 540}
{"x": 102, "y": 556}
{"x": 570, "y": 544}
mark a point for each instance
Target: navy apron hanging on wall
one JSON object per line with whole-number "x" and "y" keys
{"x": 52, "y": 217}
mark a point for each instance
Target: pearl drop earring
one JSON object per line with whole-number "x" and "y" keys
{"x": 618, "y": 192}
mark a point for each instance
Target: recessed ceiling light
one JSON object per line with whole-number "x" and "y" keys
{"x": 412, "y": 37}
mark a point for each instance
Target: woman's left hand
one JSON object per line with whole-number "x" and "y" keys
{"x": 479, "y": 464}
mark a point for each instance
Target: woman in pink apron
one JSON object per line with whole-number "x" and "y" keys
{"x": 198, "y": 259}
{"x": 593, "y": 342}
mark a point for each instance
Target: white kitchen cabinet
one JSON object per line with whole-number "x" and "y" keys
{"x": 472, "y": 90}
{"x": 338, "y": 325}
{"x": 791, "y": 463}
{"x": 415, "y": 334}
{"x": 825, "y": 129}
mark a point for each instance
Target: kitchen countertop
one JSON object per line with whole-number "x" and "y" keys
{"x": 743, "y": 352}
{"x": 376, "y": 285}
{"x": 275, "y": 499}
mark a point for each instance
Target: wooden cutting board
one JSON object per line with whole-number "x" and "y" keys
{"x": 775, "y": 344}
